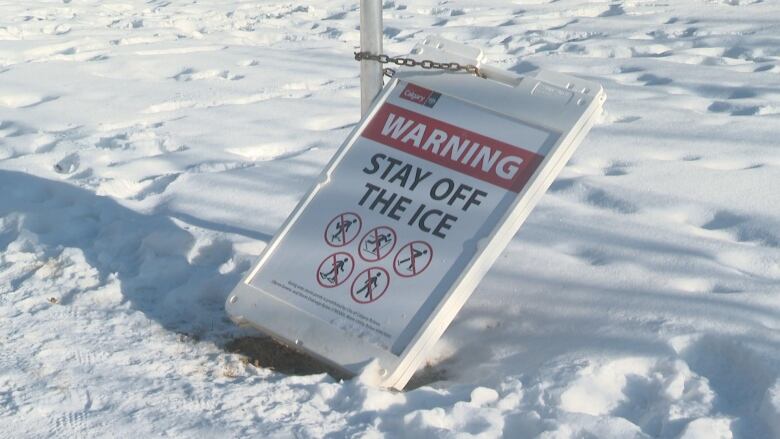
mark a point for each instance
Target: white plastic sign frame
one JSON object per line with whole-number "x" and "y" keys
{"x": 411, "y": 212}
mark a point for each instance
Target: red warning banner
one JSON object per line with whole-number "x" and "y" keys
{"x": 456, "y": 148}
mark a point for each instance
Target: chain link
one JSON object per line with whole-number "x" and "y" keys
{"x": 410, "y": 62}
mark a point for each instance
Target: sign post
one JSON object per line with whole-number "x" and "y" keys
{"x": 413, "y": 209}
{"x": 370, "y": 41}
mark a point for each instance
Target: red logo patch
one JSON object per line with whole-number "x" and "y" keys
{"x": 416, "y": 94}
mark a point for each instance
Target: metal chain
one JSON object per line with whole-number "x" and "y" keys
{"x": 410, "y": 62}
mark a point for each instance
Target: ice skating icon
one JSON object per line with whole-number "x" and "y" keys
{"x": 343, "y": 229}
{"x": 335, "y": 269}
{"x": 412, "y": 259}
{"x": 370, "y": 285}
{"x": 338, "y": 269}
{"x": 377, "y": 243}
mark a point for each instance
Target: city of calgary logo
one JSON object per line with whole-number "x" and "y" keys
{"x": 420, "y": 95}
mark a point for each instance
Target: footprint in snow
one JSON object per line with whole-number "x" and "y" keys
{"x": 13, "y": 129}
{"x": 617, "y": 169}
{"x": 614, "y": 10}
{"x": 739, "y": 376}
{"x": 734, "y": 110}
{"x": 190, "y": 74}
{"x": 68, "y": 165}
{"x": 764, "y": 68}
{"x": 73, "y": 424}
{"x": 24, "y": 100}
{"x": 630, "y": 69}
{"x": 651, "y": 80}
{"x": 743, "y": 228}
{"x": 593, "y": 196}
{"x": 157, "y": 186}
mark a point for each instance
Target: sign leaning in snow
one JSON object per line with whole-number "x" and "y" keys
{"x": 382, "y": 253}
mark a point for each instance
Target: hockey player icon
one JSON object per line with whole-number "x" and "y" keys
{"x": 342, "y": 228}
{"x": 333, "y": 275}
{"x": 335, "y": 269}
{"x": 370, "y": 285}
{"x": 415, "y": 254}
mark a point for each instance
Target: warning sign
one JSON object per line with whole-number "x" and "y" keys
{"x": 422, "y": 175}
{"x": 413, "y": 258}
{"x": 335, "y": 269}
{"x": 377, "y": 243}
{"x": 370, "y": 285}
{"x": 397, "y": 231}
{"x": 343, "y": 229}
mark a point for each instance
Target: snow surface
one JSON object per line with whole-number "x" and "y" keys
{"x": 149, "y": 150}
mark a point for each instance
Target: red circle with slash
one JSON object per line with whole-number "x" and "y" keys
{"x": 370, "y": 285}
{"x": 377, "y": 243}
{"x": 343, "y": 229}
{"x": 412, "y": 259}
{"x": 335, "y": 269}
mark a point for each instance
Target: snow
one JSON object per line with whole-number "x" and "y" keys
{"x": 150, "y": 149}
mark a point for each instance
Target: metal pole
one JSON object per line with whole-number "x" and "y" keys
{"x": 370, "y": 41}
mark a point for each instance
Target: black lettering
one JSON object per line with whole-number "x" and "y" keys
{"x": 473, "y": 200}
{"x": 385, "y": 202}
{"x": 402, "y": 174}
{"x": 445, "y": 224}
{"x": 422, "y": 224}
{"x": 458, "y": 193}
{"x": 418, "y": 177}
{"x": 434, "y": 189}
{"x": 399, "y": 207}
{"x": 393, "y": 162}
{"x": 371, "y": 189}
{"x": 416, "y": 214}
{"x": 374, "y": 163}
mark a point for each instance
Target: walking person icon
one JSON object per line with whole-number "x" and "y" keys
{"x": 335, "y": 269}
{"x": 370, "y": 285}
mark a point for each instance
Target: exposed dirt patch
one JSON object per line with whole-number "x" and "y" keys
{"x": 269, "y": 353}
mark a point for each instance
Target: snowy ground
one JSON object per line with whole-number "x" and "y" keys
{"x": 149, "y": 150}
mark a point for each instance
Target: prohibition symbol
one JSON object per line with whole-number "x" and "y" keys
{"x": 413, "y": 259}
{"x": 343, "y": 229}
{"x": 335, "y": 269}
{"x": 370, "y": 285}
{"x": 377, "y": 243}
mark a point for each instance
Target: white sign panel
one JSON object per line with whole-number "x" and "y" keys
{"x": 402, "y": 214}
{"x": 374, "y": 252}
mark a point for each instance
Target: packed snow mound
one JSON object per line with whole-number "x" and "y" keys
{"x": 149, "y": 150}
{"x": 771, "y": 408}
